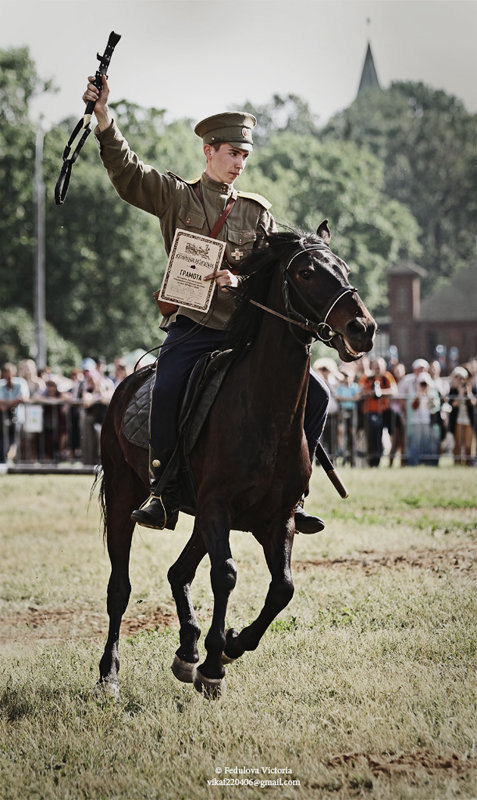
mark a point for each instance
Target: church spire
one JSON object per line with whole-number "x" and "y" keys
{"x": 369, "y": 76}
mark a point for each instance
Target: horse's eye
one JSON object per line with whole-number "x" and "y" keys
{"x": 306, "y": 273}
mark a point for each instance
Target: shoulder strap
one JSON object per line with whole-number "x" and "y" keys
{"x": 183, "y": 180}
{"x": 257, "y": 197}
{"x": 225, "y": 213}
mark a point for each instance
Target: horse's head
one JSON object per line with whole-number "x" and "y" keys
{"x": 320, "y": 298}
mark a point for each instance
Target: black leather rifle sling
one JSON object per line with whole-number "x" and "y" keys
{"x": 83, "y": 125}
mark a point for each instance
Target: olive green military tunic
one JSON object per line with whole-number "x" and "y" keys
{"x": 174, "y": 202}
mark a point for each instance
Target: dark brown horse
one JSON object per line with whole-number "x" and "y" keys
{"x": 250, "y": 463}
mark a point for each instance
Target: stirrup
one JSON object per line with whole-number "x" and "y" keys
{"x": 151, "y": 514}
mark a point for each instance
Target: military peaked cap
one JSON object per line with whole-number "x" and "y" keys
{"x": 231, "y": 126}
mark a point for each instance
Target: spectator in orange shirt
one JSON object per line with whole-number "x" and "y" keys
{"x": 377, "y": 388}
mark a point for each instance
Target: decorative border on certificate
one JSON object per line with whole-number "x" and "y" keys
{"x": 192, "y": 257}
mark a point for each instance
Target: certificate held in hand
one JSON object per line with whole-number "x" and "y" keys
{"x": 192, "y": 257}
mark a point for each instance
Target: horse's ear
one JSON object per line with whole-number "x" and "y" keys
{"x": 261, "y": 240}
{"x": 324, "y": 232}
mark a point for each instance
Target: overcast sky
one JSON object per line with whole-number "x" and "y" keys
{"x": 198, "y": 57}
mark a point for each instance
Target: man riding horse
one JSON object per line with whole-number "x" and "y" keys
{"x": 209, "y": 206}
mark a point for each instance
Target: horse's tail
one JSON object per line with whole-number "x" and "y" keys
{"x": 98, "y": 483}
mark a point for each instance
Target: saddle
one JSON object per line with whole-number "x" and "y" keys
{"x": 202, "y": 388}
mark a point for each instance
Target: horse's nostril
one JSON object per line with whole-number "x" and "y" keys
{"x": 357, "y": 326}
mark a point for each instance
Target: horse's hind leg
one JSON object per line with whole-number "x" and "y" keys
{"x": 123, "y": 491}
{"x": 280, "y": 592}
{"x": 180, "y": 576}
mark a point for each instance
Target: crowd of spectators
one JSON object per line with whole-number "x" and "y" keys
{"x": 376, "y": 409}
{"x": 51, "y": 417}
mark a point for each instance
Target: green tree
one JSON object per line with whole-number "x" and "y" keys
{"x": 19, "y": 83}
{"x": 288, "y": 113}
{"x": 164, "y": 145}
{"x": 101, "y": 257}
{"x": 17, "y": 341}
{"x": 308, "y": 180}
{"x": 427, "y": 141}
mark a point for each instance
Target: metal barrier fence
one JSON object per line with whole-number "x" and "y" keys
{"x": 55, "y": 435}
{"x": 50, "y": 435}
{"x": 360, "y": 439}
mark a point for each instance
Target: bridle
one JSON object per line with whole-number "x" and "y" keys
{"x": 320, "y": 329}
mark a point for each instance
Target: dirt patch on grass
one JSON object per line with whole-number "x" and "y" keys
{"x": 462, "y": 558}
{"x": 60, "y": 624}
{"x": 356, "y": 772}
{"x": 41, "y": 624}
{"x": 404, "y": 763}
{"x": 150, "y": 621}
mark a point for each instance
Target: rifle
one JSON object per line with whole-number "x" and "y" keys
{"x": 327, "y": 465}
{"x": 83, "y": 125}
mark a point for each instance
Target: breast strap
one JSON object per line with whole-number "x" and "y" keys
{"x": 225, "y": 213}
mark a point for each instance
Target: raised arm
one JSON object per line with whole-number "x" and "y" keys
{"x": 137, "y": 183}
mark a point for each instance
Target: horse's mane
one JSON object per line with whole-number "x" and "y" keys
{"x": 257, "y": 271}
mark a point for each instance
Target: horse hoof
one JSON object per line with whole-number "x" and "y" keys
{"x": 184, "y": 671}
{"x": 105, "y": 690}
{"x": 211, "y": 688}
{"x": 231, "y": 638}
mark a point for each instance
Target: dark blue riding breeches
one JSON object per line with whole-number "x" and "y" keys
{"x": 185, "y": 343}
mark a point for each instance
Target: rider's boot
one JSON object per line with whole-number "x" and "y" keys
{"x": 306, "y": 523}
{"x": 160, "y": 510}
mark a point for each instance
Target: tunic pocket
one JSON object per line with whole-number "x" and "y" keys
{"x": 193, "y": 221}
{"x": 239, "y": 244}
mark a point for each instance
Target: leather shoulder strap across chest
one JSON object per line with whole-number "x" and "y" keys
{"x": 225, "y": 213}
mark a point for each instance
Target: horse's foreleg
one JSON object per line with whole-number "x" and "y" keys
{"x": 180, "y": 576}
{"x": 280, "y": 592}
{"x": 209, "y": 676}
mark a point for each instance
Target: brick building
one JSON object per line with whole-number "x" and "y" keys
{"x": 446, "y": 317}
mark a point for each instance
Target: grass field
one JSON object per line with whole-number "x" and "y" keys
{"x": 365, "y": 686}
